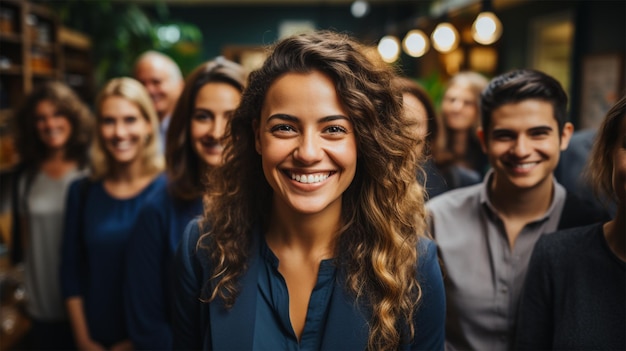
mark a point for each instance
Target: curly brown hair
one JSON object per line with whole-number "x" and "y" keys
{"x": 382, "y": 209}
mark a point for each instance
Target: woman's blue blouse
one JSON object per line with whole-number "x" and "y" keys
{"x": 96, "y": 231}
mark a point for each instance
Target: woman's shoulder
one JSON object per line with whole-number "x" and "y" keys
{"x": 427, "y": 254}
{"x": 152, "y": 187}
{"x": 568, "y": 239}
{"x": 159, "y": 182}
{"x": 193, "y": 259}
{"x": 82, "y": 182}
{"x": 191, "y": 236}
{"x": 563, "y": 246}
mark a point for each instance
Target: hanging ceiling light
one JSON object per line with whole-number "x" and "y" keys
{"x": 415, "y": 43}
{"x": 389, "y": 48}
{"x": 360, "y": 8}
{"x": 445, "y": 37}
{"x": 487, "y": 28}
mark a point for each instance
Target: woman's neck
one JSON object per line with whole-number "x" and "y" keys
{"x": 126, "y": 172}
{"x": 313, "y": 235}
{"x": 56, "y": 165}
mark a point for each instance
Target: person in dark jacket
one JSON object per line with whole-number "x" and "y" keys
{"x": 574, "y": 293}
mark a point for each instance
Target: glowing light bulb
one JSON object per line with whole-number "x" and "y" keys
{"x": 360, "y": 8}
{"x": 389, "y": 48}
{"x": 445, "y": 38}
{"x": 415, "y": 43}
{"x": 487, "y": 28}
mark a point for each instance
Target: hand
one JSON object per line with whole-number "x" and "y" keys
{"x": 89, "y": 345}
{"x": 124, "y": 345}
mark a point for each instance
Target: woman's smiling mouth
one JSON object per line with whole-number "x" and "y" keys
{"x": 309, "y": 178}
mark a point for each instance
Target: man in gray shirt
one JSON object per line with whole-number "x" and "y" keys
{"x": 486, "y": 232}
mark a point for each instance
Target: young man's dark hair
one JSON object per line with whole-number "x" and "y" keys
{"x": 519, "y": 85}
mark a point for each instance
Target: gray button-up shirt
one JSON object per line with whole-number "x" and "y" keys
{"x": 483, "y": 277}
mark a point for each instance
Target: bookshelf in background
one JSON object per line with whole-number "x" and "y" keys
{"x": 35, "y": 48}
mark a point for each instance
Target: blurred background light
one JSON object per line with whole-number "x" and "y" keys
{"x": 360, "y": 8}
{"x": 487, "y": 28}
{"x": 445, "y": 37}
{"x": 389, "y": 48}
{"x": 415, "y": 43}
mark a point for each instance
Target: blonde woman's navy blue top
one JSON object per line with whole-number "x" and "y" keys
{"x": 96, "y": 231}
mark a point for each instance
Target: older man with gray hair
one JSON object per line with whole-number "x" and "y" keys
{"x": 164, "y": 81}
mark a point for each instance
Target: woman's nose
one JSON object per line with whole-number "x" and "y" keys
{"x": 309, "y": 149}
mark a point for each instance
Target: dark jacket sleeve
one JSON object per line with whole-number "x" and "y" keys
{"x": 71, "y": 264}
{"x": 431, "y": 313}
{"x": 578, "y": 213}
{"x": 146, "y": 281}
{"x": 188, "y": 310}
{"x": 535, "y": 323}
{"x": 12, "y": 180}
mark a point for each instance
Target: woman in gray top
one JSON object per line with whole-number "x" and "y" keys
{"x": 53, "y": 129}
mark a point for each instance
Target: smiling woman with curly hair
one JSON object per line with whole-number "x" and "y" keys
{"x": 312, "y": 233}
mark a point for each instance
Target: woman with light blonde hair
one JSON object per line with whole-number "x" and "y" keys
{"x": 101, "y": 211}
{"x": 461, "y": 117}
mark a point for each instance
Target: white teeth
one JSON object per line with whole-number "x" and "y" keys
{"x": 308, "y": 179}
{"x": 526, "y": 165}
{"x": 122, "y": 145}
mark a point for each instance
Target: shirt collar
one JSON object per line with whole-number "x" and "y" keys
{"x": 557, "y": 200}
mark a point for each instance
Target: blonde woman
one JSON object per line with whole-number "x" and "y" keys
{"x": 126, "y": 167}
{"x": 461, "y": 116}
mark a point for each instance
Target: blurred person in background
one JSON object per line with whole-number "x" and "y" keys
{"x": 126, "y": 168}
{"x": 164, "y": 82}
{"x": 439, "y": 173}
{"x": 196, "y": 138}
{"x": 461, "y": 116}
{"x": 53, "y": 130}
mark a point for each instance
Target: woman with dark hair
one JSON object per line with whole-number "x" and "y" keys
{"x": 126, "y": 168}
{"x": 312, "y": 235}
{"x": 53, "y": 130}
{"x": 573, "y": 297}
{"x": 439, "y": 173}
{"x": 195, "y": 141}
